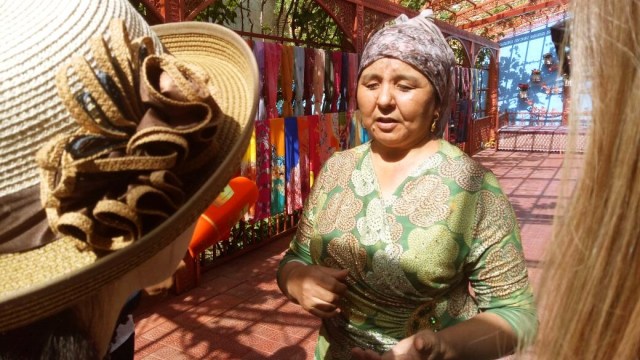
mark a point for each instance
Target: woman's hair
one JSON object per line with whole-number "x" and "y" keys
{"x": 59, "y": 336}
{"x": 588, "y": 296}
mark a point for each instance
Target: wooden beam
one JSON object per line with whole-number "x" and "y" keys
{"x": 484, "y": 7}
{"x": 385, "y": 7}
{"x": 203, "y": 5}
{"x": 526, "y": 25}
{"x": 449, "y": 29}
{"x": 153, "y": 9}
{"x": 512, "y": 13}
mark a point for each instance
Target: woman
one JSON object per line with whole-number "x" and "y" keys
{"x": 591, "y": 278}
{"x": 398, "y": 230}
{"x": 105, "y": 162}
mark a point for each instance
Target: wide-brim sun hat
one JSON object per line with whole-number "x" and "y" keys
{"x": 68, "y": 120}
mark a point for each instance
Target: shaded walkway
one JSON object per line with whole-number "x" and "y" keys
{"x": 238, "y": 312}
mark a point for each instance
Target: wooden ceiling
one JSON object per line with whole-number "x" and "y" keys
{"x": 498, "y": 19}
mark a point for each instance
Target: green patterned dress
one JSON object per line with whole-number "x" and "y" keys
{"x": 444, "y": 247}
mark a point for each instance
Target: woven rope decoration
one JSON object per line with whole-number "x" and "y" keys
{"x": 146, "y": 121}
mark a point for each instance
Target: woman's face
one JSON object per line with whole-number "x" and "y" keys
{"x": 397, "y": 103}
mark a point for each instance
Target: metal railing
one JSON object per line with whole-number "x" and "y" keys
{"x": 246, "y": 236}
{"x": 528, "y": 118}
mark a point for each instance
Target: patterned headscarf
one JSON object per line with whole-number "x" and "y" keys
{"x": 419, "y": 43}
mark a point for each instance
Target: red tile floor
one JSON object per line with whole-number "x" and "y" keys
{"x": 237, "y": 311}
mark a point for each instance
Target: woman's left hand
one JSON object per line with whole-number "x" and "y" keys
{"x": 423, "y": 345}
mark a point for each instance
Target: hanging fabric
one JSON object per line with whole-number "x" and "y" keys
{"x": 303, "y": 149}
{"x": 258, "y": 53}
{"x": 344, "y": 82}
{"x": 336, "y": 58}
{"x": 298, "y": 80}
{"x": 318, "y": 82}
{"x": 329, "y": 79}
{"x": 293, "y": 193}
{"x": 263, "y": 169}
{"x": 353, "y": 138}
{"x": 343, "y": 131}
{"x": 272, "y": 58}
{"x": 287, "y": 80}
{"x": 277, "y": 166}
{"x": 309, "y": 69}
{"x": 352, "y": 84}
{"x": 328, "y": 140}
{"x": 313, "y": 124}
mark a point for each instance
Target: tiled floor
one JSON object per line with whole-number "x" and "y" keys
{"x": 238, "y": 312}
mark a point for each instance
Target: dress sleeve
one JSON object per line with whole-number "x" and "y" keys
{"x": 496, "y": 265}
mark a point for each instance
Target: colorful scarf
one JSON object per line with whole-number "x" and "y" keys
{"x": 272, "y": 58}
{"x": 309, "y": 69}
{"x": 292, "y": 165}
{"x": 277, "y": 165}
{"x": 263, "y": 169}
{"x": 313, "y": 124}
{"x": 303, "y": 148}
{"x": 318, "y": 82}
{"x": 298, "y": 80}
{"x": 287, "y": 80}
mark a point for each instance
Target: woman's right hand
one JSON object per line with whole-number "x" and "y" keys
{"x": 316, "y": 288}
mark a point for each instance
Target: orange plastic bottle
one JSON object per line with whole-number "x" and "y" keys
{"x": 226, "y": 210}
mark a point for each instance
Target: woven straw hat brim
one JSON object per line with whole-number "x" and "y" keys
{"x": 55, "y": 276}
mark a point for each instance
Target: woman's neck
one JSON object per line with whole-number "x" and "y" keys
{"x": 425, "y": 148}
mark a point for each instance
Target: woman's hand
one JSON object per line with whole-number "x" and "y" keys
{"x": 316, "y": 288}
{"x": 424, "y": 345}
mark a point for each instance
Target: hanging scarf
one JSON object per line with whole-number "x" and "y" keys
{"x": 352, "y": 83}
{"x": 272, "y": 58}
{"x": 343, "y": 135}
{"x": 298, "y": 80}
{"x": 309, "y": 68}
{"x": 328, "y": 141}
{"x": 277, "y": 165}
{"x": 344, "y": 82}
{"x": 263, "y": 169}
{"x": 329, "y": 79}
{"x": 318, "y": 82}
{"x": 292, "y": 165}
{"x": 287, "y": 80}
{"x": 336, "y": 57}
{"x": 248, "y": 170}
{"x": 303, "y": 148}
{"x": 313, "y": 124}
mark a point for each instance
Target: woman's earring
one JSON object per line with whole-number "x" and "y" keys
{"x": 434, "y": 122}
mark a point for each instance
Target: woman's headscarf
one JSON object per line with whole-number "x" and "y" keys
{"x": 419, "y": 43}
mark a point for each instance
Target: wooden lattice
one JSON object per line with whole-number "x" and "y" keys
{"x": 496, "y": 19}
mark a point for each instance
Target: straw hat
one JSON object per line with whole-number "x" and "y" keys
{"x": 125, "y": 147}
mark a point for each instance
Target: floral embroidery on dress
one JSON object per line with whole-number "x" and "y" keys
{"x": 340, "y": 213}
{"x": 340, "y": 168}
{"x": 363, "y": 183}
{"x": 431, "y": 254}
{"x": 506, "y": 272}
{"x": 346, "y": 253}
{"x": 467, "y": 173}
{"x": 494, "y": 220}
{"x": 461, "y": 219}
{"x": 371, "y": 227}
{"x": 387, "y": 276}
{"x": 431, "y": 163}
{"x": 424, "y": 201}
